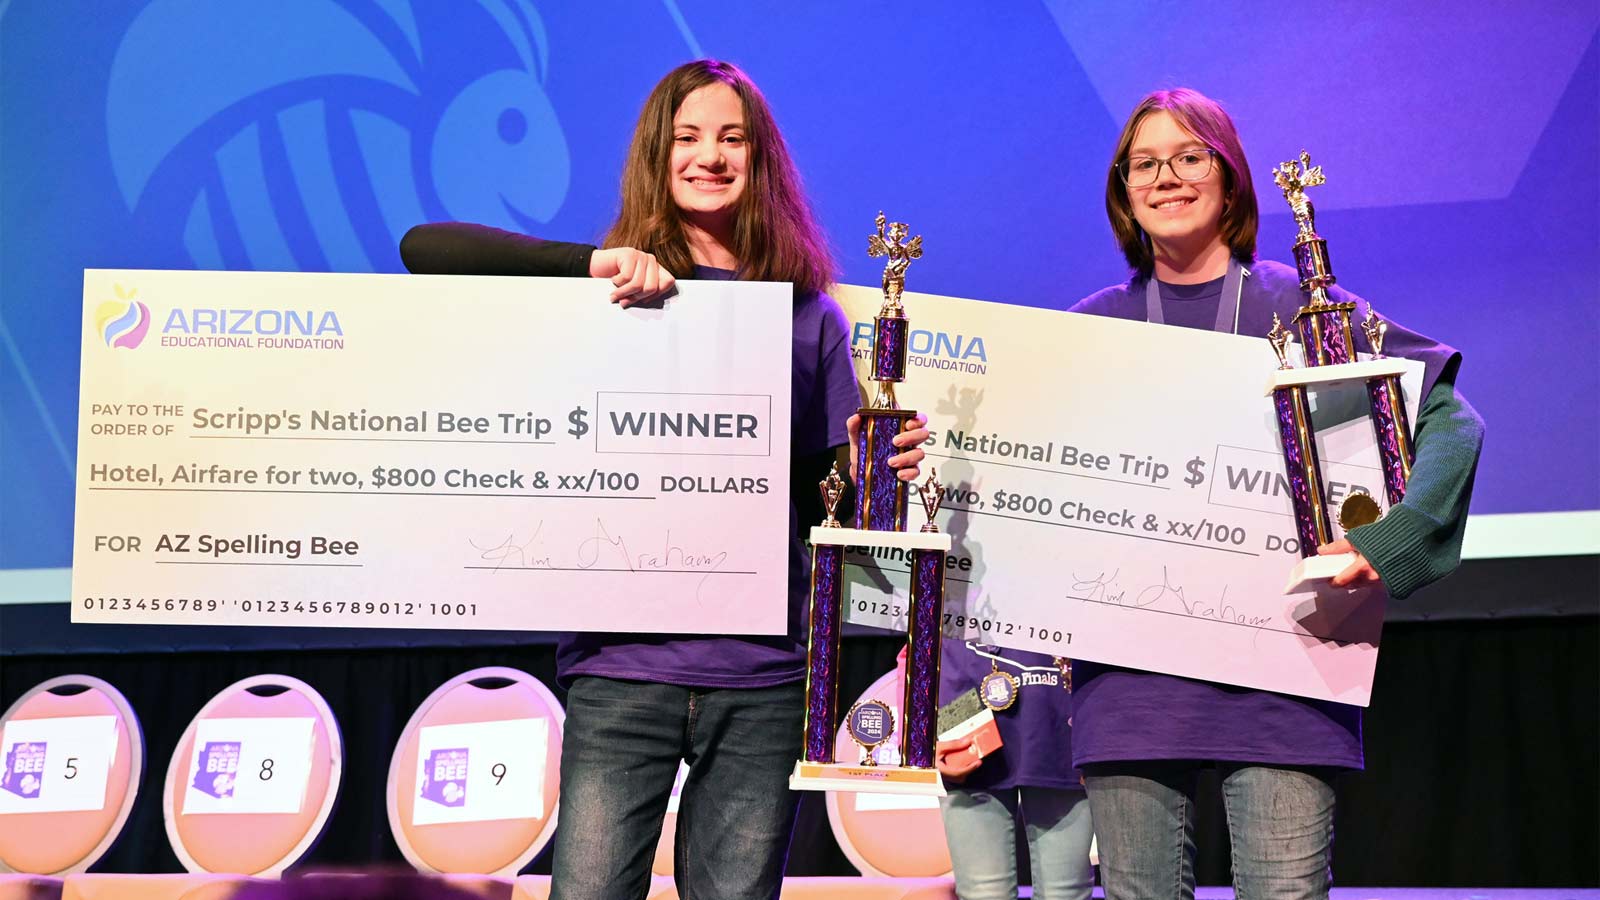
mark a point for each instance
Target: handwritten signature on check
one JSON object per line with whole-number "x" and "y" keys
{"x": 599, "y": 550}
{"x": 1102, "y": 588}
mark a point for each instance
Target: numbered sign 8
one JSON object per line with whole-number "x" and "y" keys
{"x": 249, "y": 766}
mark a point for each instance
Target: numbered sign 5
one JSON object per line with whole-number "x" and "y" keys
{"x": 478, "y": 771}
{"x": 249, "y": 766}
{"x": 56, "y": 765}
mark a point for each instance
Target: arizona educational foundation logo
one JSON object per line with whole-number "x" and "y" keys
{"x": 122, "y": 322}
{"x": 930, "y": 349}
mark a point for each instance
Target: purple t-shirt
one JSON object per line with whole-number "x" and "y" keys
{"x": 1124, "y": 715}
{"x": 824, "y": 394}
{"x": 1191, "y": 305}
{"x": 1036, "y": 734}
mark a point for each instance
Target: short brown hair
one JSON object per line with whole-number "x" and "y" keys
{"x": 776, "y": 237}
{"x": 1209, "y": 122}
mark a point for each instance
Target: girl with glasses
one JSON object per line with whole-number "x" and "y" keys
{"x": 1182, "y": 207}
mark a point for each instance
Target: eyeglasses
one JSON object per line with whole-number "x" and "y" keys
{"x": 1143, "y": 171}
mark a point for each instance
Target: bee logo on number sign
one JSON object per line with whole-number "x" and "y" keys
{"x": 444, "y": 777}
{"x": 218, "y": 768}
{"x": 24, "y": 769}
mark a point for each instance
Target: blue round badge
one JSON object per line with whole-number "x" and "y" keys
{"x": 870, "y": 723}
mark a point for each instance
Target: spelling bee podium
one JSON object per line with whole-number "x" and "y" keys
{"x": 1330, "y": 358}
{"x": 880, "y": 521}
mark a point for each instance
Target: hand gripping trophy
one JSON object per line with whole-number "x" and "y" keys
{"x": 880, "y": 521}
{"x": 1329, "y": 345}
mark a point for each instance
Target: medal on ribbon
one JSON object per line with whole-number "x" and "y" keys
{"x": 998, "y": 690}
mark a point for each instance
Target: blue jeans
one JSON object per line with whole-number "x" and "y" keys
{"x": 980, "y": 827}
{"x": 619, "y": 758}
{"x": 1280, "y": 822}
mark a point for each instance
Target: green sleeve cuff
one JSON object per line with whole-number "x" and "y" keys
{"x": 1406, "y": 550}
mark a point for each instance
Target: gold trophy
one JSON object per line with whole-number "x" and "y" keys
{"x": 1329, "y": 352}
{"x": 880, "y": 521}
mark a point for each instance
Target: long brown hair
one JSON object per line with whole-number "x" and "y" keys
{"x": 1209, "y": 122}
{"x": 776, "y": 237}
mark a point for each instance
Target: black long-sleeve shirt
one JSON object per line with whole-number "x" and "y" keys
{"x": 462, "y": 248}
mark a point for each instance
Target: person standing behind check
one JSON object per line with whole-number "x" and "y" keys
{"x": 708, "y": 189}
{"x": 1030, "y": 779}
{"x": 1181, "y": 204}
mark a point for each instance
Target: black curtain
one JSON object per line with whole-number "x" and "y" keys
{"x": 1482, "y": 749}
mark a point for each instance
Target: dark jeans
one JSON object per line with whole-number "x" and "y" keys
{"x": 619, "y": 758}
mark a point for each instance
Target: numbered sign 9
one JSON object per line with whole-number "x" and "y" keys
{"x": 56, "y": 765}
{"x": 249, "y": 766}
{"x": 479, "y": 771}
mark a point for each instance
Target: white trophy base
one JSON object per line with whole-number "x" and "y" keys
{"x": 861, "y": 537}
{"x": 1313, "y": 571}
{"x": 809, "y": 776}
{"x": 1328, "y": 375}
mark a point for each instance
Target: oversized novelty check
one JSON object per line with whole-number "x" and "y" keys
{"x": 431, "y": 452}
{"x": 1116, "y": 493}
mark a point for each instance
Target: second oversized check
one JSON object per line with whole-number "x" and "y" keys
{"x": 1116, "y": 493}
{"x": 407, "y": 451}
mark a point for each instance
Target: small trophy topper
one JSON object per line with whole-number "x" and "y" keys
{"x": 1279, "y": 338}
{"x": 932, "y": 494}
{"x": 892, "y": 244}
{"x": 1375, "y": 329}
{"x": 832, "y": 489}
{"x": 1293, "y": 181}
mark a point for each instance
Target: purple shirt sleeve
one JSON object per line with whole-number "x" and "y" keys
{"x": 825, "y": 378}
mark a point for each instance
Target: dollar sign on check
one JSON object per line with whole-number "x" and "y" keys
{"x": 1196, "y": 474}
{"x": 579, "y": 426}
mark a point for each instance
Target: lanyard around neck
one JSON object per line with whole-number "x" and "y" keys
{"x": 1227, "y": 304}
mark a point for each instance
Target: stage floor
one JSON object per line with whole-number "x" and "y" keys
{"x": 1428, "y": 894}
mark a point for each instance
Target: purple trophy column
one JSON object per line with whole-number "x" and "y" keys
{"x": 1311, "y": 261}
{"x": 1312, "y": 522}
{"x": 880, "y": 494}
{"x": 1326, "y": 337}
{"x": 922, "y": 659}
{"x": 822, "y": 656}
{"x": 889, "y": 348}
{"x": 1393, "y": 429}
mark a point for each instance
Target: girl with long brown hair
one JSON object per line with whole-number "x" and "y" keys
{"x": 708, "y": 190}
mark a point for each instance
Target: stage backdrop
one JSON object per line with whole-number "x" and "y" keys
{"x": 1459, "y": 141}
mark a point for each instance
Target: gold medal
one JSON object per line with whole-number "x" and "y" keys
{"x": 998, "y": 690}
{"x": 1357, "y": 510}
